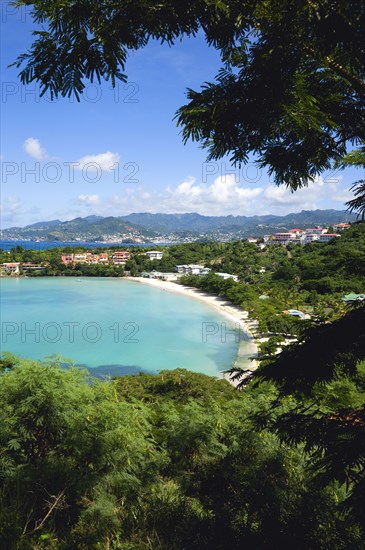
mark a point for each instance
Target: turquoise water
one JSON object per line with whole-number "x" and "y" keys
{"x": 113, "y": 325}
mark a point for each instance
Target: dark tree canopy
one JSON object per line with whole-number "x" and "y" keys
{"x": 291, "y": 88}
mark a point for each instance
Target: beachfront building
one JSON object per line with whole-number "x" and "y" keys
{"x": 163, "y": 276}
{"x": 88, "y": 258}
{"x": 154, "y": 254}
{"x": 28, "y": 266}
{"x": 80, "y": 258}
{"x": 67, "y": 259}
{"x": 103, "y": 258}
{"x": 192, "y": 269}
{"x": 11, "y": 267}
{"x": 120, "y": 257}
{"x": 92, "y": 259}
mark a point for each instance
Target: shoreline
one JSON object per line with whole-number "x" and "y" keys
{"x": 247, "y": 346}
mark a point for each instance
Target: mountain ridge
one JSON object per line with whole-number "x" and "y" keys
{"x": 145, "y": 226}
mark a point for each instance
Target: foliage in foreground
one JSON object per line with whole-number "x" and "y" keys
{"x": 165, "y": 462}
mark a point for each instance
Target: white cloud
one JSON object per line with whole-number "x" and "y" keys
{"x": 89, "y": 200}
{"x": 224, "y": 196}
{"x": 10, "y": 209}
{"x": 33, "y": 148}
{"x": 343, "y": 196}
{"x": 306, "y": 198}
{"x": 105, "y": 162}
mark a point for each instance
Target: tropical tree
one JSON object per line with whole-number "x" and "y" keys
{"x": 328, "y": 416}
{"x": 356, "y": 158}
{"x": 291, "y": 88}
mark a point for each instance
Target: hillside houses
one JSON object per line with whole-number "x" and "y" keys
{"x": 304, "y": 236}
{"x": 89, "y": 258}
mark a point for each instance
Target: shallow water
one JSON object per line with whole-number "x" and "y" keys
{"x": 113, "y": 325}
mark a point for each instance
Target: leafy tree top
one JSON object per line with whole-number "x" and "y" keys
{"x": 291, "y": 88}
{"x": 322, "y": 351}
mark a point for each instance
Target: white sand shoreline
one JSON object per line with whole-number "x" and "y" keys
{"x": 247, "y": 346}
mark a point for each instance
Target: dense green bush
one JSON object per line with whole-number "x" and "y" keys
{"x": 165, "y": 462}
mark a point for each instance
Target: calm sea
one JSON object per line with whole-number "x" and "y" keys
{"x": 115, "y": 326}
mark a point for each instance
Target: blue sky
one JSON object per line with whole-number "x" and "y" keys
{"x": 119, "y": 151}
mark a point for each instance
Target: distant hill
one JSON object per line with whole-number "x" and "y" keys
{"x": 167, "y": 223}
{"x": 143, "y": 227}
{"x": 91, "y": 228}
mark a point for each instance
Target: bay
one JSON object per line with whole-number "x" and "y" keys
{"x": 114, "y": 326}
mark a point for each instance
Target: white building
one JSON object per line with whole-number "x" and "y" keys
{"x": 120, "y": 257}
{"x": 11, "y": 267}
{"x": 191, "y": 269}
{"x": 315, "y": 231}
{"x": 103, "y": 258}
{"x": 227, "y": 276}
{"x": 281, "y": 238}
{"x": 310, "y": 237}
{"x": 33, "y": 267}
{"x": 323, "y": 238}
{"x": 154, "y": 254}
{"x": 296, "y": 231}
{"x": 326, "y": 237}
{"x": 341, "y": 226}
{"x": 163, "y": 276}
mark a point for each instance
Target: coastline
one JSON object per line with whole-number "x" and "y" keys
{"x": 247, "y": 346}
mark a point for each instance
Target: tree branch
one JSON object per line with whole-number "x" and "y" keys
{"x": 58, "y": 503}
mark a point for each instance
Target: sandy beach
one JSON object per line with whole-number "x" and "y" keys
{"x": 235, "y": 314}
